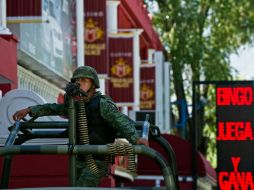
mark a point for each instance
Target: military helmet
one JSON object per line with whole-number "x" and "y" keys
{"x": 86, "y": 72}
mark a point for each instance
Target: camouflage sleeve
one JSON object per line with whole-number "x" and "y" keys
{"x": 122, "y": 123}
{"x": 48, "y": 109}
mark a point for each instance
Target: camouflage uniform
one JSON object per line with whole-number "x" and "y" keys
{"x": 122, "y": 124}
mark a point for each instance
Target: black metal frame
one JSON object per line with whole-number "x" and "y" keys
{"x": 194, "y": 130}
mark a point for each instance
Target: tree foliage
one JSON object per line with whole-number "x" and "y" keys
{"x": 200, "y": 35}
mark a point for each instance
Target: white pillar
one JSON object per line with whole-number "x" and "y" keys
{"x": 102, "y": 85}
{"x": 3, "y": 26}
{"x": 167, "y": 108}
{"x": 159, "y": 115}
{"x": 124, "y": 110}
{"x": 112, "y": 15}
{"x": 150, "y": 56}
{"x": 137, "y": 62}
{"x": 80, "y": 33}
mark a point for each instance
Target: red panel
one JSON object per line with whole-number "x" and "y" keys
{"x": 121, "y": 69}
{"x": 147, "y": 87}
{"x": 19, "y": 8}
{"x": 107, "y": 182}
{"x": 38, "y": 171}
{"x": 5, "y": 88}
{"x": 182, "y": 148}
{"x": 42, "y": 171}
{"x": 183, "y": 153}
{"x": 143, "y": 50}
{"x": 95, "y": 35}
{"x": 8, "y": 61}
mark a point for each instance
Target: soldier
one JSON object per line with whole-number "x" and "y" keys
{"x": 103, "y": 119}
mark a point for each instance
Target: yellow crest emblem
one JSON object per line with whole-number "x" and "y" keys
{"x": 146, "y": 92}
{"x": 92, "y": 31}
{"x": 121, "y": 68}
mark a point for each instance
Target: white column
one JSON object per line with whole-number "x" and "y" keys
{"x": 102, "y": 85}
{"x": 124, "y": 110}
{"x": 158, "y": 59}
{"x": 137, "y": 62}
{"x": 167, "y": 112}
{"x": 3, "y": 26}
{"x": 150, "y": 56}
{"x": 112, "y": 15}
{"x": 80, "y": 32}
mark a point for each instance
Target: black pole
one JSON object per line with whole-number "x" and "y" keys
{"x": 72, "y": 141}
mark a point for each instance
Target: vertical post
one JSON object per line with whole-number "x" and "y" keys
{"x": 150, "y": 56}
{"x": 102, "y": 85}
{"x": 125, "y": 110}
{"x": 159, "y": 90}
{"x": 72, "y": 142}
{"x": 136, "y": 61}
{"x": 112, "y": 15}
{"x": 3, "y": 26}
{"x": 80, "y": 33}
{"x": 194, "y": 137}
{"x": 167, "y": 106}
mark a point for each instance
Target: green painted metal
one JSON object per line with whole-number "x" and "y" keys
{"x": 14, "y": 131}
{"x": 7, "y": 159}
{"x": 44, "y": 125}
{"x": 72, "y": 149}
{"x": 171, "y": 156}
{"x": 72, "y": 141}
{"x": 92, "y": 149}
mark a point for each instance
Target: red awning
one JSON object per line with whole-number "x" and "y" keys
{"x": 133, "y": 14}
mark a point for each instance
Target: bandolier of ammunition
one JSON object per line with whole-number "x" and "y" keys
{"x": 83, "y": 134}
{"x": 124, "y": 149}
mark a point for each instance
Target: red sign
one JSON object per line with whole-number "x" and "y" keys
{"x": 24, "y": 8}
{"x": 147, "y": 87}
{"x": 236, "y": 179}
{"x": 234, "y": 96}
{"x": 18, "y": 11}
{"x": 95, "y": 35}
{"x": 231, "y": 131}
{"x": 121, "y": 87}
{"x": 235, "y": 145}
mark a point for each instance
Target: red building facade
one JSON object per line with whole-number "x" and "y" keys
{"x": 8, "y": 68}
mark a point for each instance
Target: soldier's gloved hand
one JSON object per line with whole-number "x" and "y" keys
{"x": 72, "y": 89}
{"x": 20, "y": 114}
{"x": 142, "y": 141}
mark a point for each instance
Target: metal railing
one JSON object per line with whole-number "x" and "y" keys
{"x": 13, "y": 147}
